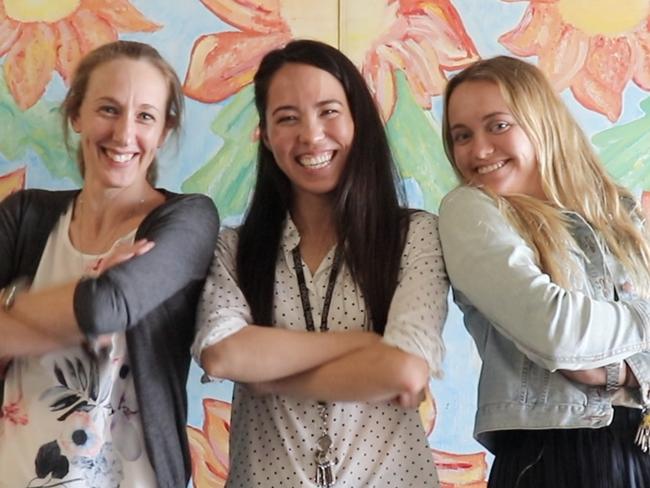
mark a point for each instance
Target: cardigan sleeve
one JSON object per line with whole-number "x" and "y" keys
{"x": 184, "y": 231}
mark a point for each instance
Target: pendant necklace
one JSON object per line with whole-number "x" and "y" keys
{"x": 325, "y": 461}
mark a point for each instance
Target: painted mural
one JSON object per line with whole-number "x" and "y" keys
{"x": 596, "y": 54}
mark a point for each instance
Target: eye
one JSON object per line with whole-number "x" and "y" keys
{"x": 147, "y": 117}
{"x": 460, "y": 137}
{"x": 286, "y": 119}
{"x": 330, "y": 112}
{"x": 500, "y": 126}
{"x": 108, "y": 110}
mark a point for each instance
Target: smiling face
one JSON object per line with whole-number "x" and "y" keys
{"x": 490, "y": 148}
{"x": 308, "y": 128}
{"x": 121, "y": 122}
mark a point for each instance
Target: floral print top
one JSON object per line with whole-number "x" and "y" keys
{"x": 70, "y": 417}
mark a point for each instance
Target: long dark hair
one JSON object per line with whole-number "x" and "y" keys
{"x": 370, "y": 223}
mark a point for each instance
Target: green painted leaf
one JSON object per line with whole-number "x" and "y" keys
{"x": 417, "y": 147}
{"x": 229, "y": 175}
{"x": 625, "y": 150}
{"x": 38, "y": 130}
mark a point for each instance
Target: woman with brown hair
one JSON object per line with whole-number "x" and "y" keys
{"x": 99, "y": 292}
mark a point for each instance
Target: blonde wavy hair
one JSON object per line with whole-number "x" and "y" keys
{"x": 572, "y": 176}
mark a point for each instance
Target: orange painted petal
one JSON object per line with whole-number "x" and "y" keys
{"x": 379, "y": 76}
{"x": 446, "y": 30}
{"x": 645, "y": 204}
{"x": 642, "y": 56}
{"x": 69, "y": 50}
{"x": 28, "y": 66}
{"x": 92, "y": 31}
{"x": 221, "y": 64}
{"x": 564, "y": 58}
{"x": 460, "y": 469}
{"x": 9, "y": 32}
{"x": 12, "y": 182}
{"x": 121, "y": 14}
{"x": 540, "y": 25}
{"x": 206, "y": 470}
{"x": 608, "y": 68}
{"x": 452, "y": 50}
{"x": 258, "y": 16}
{"x": 217, "y": 428}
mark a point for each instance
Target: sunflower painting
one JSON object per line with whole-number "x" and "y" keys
{"x": 596, "y": 53}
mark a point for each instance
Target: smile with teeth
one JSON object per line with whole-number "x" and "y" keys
{"x": 316, "y": 160}
{"x": 119, "y": 157}
{"x": 490, "y": 168}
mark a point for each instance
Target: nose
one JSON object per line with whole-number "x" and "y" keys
{"x": 311, "y": 130}
{"x": 482, "y": 147}
{"x": 124, "y": 130}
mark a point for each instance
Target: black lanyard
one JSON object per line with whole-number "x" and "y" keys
{"x": 304, "y": 292}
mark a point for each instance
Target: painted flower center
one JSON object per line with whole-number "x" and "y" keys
{"x": 366, "y": 22}
{"x": 604, "y": 17}
{"x": 39, "y": 10}
{"x": 317, "y": 21}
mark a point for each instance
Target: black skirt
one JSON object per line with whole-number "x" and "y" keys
{"x": 573, "y": 458}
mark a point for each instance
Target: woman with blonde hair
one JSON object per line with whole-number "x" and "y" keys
{"x": 549, "y": 261}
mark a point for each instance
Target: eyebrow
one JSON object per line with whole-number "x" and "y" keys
{"x": 146, "y": 106}
{"x": 318, "y": 104}
{"x": 484, "y": 118}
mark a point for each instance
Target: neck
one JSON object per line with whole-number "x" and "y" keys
{"x": 314, "y": 219}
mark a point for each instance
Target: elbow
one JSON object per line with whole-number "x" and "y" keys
{"x": 215, "y": 362}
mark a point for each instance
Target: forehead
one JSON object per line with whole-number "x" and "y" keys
{"x": 298, "y": 85}
{"x": 473, "y": 100}
{"x": 125, "y": 80}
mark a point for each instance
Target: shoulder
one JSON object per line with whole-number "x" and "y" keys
{"x": 36, "y": 208}
{"x": 422, "y": 236}
{"x": 465, "y": 197}
{"x": 192, "y": 209}
{"x": 467, "y": 207}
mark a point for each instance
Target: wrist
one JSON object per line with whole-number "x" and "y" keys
{"x": 9, "y": 293}
{"x": 615, "y": 374}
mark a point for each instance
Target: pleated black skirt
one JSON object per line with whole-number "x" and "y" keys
{"x": 573, "y": 458}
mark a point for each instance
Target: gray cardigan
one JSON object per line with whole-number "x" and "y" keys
{"x": 152, "y": 299}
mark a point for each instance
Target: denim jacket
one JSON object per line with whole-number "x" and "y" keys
{"x": 526, "y": 327}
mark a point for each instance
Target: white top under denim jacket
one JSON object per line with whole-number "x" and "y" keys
{"x": 526, "y": 327}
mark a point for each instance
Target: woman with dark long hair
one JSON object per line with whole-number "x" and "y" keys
{"x": 326, "y": 305}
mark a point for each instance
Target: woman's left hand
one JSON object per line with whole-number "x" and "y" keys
{"x": 122, "y": 253}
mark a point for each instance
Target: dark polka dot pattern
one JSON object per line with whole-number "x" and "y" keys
{"x": 377, "y": 445}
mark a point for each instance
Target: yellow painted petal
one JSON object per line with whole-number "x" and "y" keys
{"x": 253, "y": 16}
{"x": 428, "y": 412}
{"x": 221, "y": 64}
{"x": 607, "y": 70}
{"x": 122, "y": 15}
{"x": 12, "y": 182}
{"x": 205, "y": 471}
{"x": 28, "y": 66}
{"x": 92, "y": 31}
{"x": 642, "y": 57}
{"x": 69, "y": 49}
{"x": 460, "y": 470}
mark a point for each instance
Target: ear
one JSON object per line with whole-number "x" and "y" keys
{"x": 264, "y": 138}
{"x": 74, "y": 122}
{"x": 163, "y": 136}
